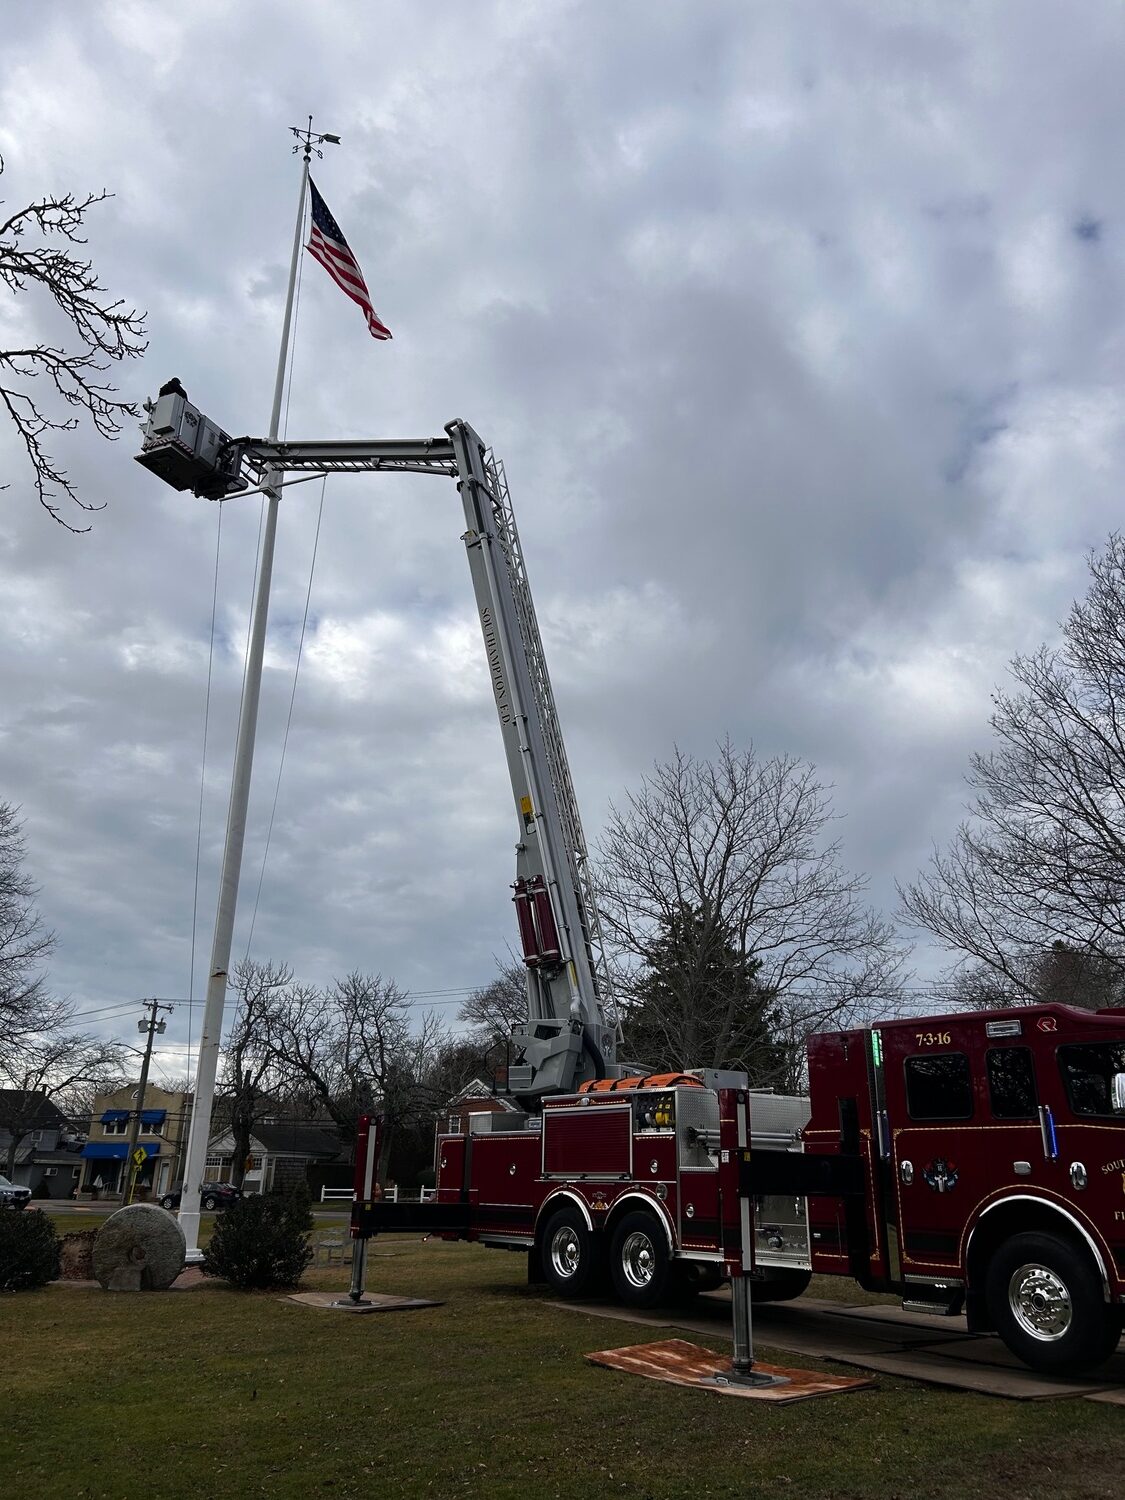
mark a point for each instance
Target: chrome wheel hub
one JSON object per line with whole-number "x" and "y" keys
{"x": 1040, "y": 1303}
{"x": 638, "y": 1259}
{"x": 566, "y": 1251}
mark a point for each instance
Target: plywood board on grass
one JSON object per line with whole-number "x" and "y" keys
{"x": 676, "y": 1362}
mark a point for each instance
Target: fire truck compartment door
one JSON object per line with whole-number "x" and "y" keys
{"x": 934, "y": 1134}
{"x": 593, "y": 1141}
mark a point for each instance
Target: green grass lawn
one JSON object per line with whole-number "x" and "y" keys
{"x": 214, "y": 1393}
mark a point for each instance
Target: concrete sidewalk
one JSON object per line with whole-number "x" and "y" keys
{"x": 889, "y": 1340}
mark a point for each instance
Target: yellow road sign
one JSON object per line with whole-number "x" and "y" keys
{"x": 140, "y": 1156}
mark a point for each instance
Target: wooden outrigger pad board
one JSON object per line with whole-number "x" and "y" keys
{"x": 677, "y": 1362}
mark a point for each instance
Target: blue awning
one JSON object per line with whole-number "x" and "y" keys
{"x": 115, "y": 1150}
{"x": 153, "y": 1116}
{"x": 114, "y": 1114}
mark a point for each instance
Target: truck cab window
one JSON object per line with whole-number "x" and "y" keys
{"x": 1011, "y": 1083}
{"x": 938, "y": 1087}
{"x": 1088, "y": 1070}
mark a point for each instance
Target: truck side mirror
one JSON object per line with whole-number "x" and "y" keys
{"x": 1117, "y": 1093}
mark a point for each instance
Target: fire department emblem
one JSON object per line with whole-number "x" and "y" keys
{"x": 940, "y": 1174}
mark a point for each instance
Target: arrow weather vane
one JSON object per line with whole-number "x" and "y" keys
{"x": 309, "y": 141}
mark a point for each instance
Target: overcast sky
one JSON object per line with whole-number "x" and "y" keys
{"x": 798, "y": 327}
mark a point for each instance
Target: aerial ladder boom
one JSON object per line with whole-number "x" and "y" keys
{"x": 570, "y": 1035}
{"x": 572, "y": 1030}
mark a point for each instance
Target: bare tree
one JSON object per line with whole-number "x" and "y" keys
{"x": 743, "y": 845}
{"x": 356, "y": 1049}
{"x": 25, "y": 944}
{"x": 495, "y": 1008}
{"x": 1041, "y": 859}
{"x": 245, "y": 1096}
{"x": 45, "y": 1060}
{"x": 1060, "y": 974}
{"x": 35, "y": 253}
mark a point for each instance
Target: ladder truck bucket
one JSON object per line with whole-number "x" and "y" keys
{"x": 186, "y": 449}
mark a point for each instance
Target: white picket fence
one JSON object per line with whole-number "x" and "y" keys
{"x": 391, "y": 1195}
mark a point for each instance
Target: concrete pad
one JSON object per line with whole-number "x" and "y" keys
{"x": 987, "y": 1380}
{"x": 620, "y": 1314}
{"x": 1111, "y": 1398}
{"x": 783, "y": 1328}
{"x": 373, "y": 1302}
{"x": 676, "y": 1362}
{"x": 987, "y": 1349}
{"x": 899, "y": 1346}
{"x": 871, "y": 1327}
{"x": 902, "y": 1317}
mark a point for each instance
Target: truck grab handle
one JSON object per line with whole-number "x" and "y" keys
{"x": 1047, "y": 1132}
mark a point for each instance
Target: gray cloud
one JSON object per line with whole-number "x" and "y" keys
{"x": 797, "y": 328}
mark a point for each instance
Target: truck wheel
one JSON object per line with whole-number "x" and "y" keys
{"x": 568, "y": 1253}
{"x": 640, "y": 1261}
{"x": 1045, "y": 1297}
{"x": 779, "y": 1284}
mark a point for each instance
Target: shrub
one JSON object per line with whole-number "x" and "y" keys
{"x": 29, "y": 1249}
{"x": 262, "y": 1242}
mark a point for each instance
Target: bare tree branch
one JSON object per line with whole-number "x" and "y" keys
{"x": 106, "y": 332}
{"x": 1032, "y": 888}
{"x": 741, "y": 844}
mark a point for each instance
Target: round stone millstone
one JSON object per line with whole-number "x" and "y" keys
{"x": 139, "y": 1248}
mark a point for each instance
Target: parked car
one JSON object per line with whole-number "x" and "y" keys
{"x": 211, "y": 1195}
{"x": 12, "y": 1195}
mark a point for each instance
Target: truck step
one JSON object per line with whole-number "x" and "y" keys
{"x": 940, "y": 1302}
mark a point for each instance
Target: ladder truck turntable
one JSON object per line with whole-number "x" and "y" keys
{"x": 968, "y": 1162}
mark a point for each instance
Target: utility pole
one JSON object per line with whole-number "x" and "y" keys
{"x": 153, "y": 1028}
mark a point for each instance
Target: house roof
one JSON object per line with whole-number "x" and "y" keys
{"x": 478, "y": 1089}
{"x": 322, "y": 1142}
{"x": 47, "y": 1116}
{"x": 300, "y": 1140}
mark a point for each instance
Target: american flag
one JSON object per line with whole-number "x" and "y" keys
{"x": 328, "y": 245}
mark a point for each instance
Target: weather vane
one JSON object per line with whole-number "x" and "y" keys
{"x": 309, "y": 141}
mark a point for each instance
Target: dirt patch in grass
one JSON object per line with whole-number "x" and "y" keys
{"x": 225, "y": 1394}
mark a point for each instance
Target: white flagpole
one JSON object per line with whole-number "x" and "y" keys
{"x": 200, "y": 1132}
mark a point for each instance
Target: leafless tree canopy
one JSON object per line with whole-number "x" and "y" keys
{"x": 493, "y": 1009}
{"x": 1041, "y": 860}
{"x": 356, "y": 1048}
{"x": 25, "y": 944}
{"x": 49, "y": 1060}
{"x": 46, "y": 388}
{"x": 248, "y": 1084}
{"x": 743, "y": 844}
{"x": 41, "y": 1052}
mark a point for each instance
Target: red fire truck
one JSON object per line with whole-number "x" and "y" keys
{"x": 969, "y": 1162}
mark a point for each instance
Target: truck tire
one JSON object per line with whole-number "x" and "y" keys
{"x": 640, "y": 1261}
{"x": 779, "y": 1284}
{"x": 1045, "y": 1297}
{"x": 567, "y": 1253}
